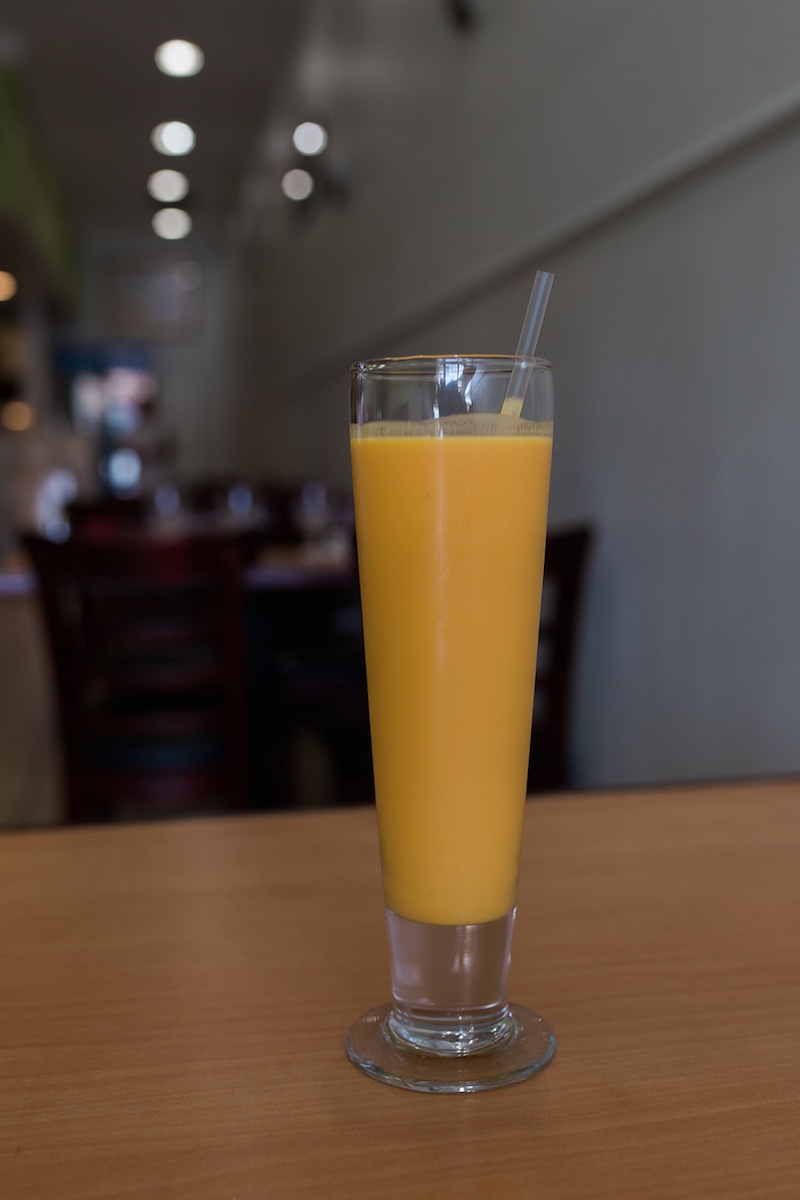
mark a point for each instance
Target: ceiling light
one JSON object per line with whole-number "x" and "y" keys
{"x": 310, "y": 138}
{"x": 168, "y": 186}
{"x": 172, "y": 223}
{"x": 179, "y": 58}
{"x": 297, "y": 184}
{"x": 17, "y": 416}
{"x": 173, "y": 137}
{"x": 8, "y": 285}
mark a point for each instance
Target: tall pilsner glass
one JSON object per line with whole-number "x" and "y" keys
{"x": 451, "y": 489}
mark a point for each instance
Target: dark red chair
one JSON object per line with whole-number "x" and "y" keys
{"x": 566, "y": 560}
{"x": 308, "y": 682}
{"x": 103, "y": 518}
{"x": 145, "y": 636}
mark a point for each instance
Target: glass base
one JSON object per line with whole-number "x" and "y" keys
{"x": 523, "y": 1044}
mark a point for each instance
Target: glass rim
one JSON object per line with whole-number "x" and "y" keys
{"x": 425, "y": 364}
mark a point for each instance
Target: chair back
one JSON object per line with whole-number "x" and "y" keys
{"x": 105, "y": 517}
{"x": 566, "y": 559}
{"x": 145, "y": 638}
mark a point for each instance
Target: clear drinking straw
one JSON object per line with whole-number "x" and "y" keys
{"x": 526, "y": 347}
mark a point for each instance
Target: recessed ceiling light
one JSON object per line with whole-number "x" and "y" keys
{"x": 172, "y": 223}
{"x": 8, "y": 285}
{"x": 168, "y": 186}
{"x": 310, "y": 138}
{"x": 297, "y": 184}
{"x": 179, "y": 58}
{"x": 173, "y": 137}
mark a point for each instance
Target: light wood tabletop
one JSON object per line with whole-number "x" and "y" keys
{"x": 174, "y": 1000}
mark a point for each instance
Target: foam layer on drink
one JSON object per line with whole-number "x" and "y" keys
{"x": 456, "y": 425}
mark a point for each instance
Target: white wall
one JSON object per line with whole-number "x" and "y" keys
{"x": 199, "y": 380}
{"x": 648, "y": 153}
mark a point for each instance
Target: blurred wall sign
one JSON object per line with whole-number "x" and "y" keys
{"x": 150, "y": 298}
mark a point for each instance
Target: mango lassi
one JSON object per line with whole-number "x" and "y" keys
{"x": 451, "y": 517}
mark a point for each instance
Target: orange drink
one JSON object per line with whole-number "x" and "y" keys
{"x": 451, "y": 518}
{"x": 451, "y": 474}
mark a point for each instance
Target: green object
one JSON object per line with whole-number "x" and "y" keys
{"x": 30, "y": 197}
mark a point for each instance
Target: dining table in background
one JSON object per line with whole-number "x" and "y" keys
{"x": 175, "y": 996}
{"x": 274, "y": 569}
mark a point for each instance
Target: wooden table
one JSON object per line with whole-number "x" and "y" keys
{"x": 174, "y": 999}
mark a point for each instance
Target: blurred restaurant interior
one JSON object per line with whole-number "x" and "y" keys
{"x": 190, "y": 262}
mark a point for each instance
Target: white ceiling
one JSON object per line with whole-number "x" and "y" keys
{"x": 88, "y": 66}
